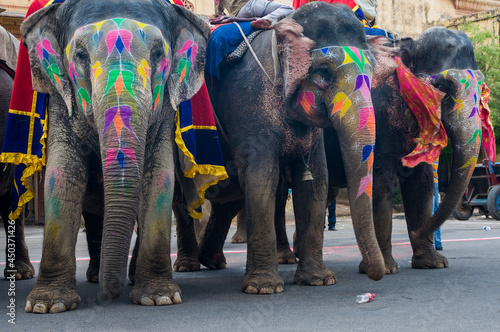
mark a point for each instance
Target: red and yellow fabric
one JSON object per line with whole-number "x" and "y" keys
{"x": 424, "y": 100}
{"x": 488, "y": 136}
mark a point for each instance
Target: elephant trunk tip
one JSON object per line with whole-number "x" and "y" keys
{"x": 111, "y": 288}
{"x": 376, "y": 273}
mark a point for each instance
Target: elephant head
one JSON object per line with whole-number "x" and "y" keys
{"x": 120, "y": 69}
{"x": 446, "y": 59}
{"x": 328, "y": 85}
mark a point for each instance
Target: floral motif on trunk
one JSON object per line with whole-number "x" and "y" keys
{"x": 467, "y": 99}
{"x": 353, "y": 102}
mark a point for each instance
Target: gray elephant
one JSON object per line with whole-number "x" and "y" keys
{"x": 114, "y": 70}
{"x": 444, "y": 62}
{"x": 16, "y": 251}
{"x": 326, "y": 74}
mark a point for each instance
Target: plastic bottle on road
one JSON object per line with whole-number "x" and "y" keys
{"x": 364, "y": 298}
{"x": 487, "y": 228}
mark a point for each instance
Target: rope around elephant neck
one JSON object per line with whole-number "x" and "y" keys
{"x": 253, "y": 53}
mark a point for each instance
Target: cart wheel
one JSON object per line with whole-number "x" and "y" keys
{"x": 462, "y": 211}
{"x": 494, "y": 202}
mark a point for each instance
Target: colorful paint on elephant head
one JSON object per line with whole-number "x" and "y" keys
{"x": 352, "y": 104}
{"x": 467, "y": 98}
{"x": 121, "y": 75}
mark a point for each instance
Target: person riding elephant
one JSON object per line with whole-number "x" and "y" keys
{"x": 115, "y": 71}
{"x": 261, "y": 13}
{"x": 16, "y": 252}
{"x": 269, "y": 127}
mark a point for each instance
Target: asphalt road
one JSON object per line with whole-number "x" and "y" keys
{"x": 463, "y": 297}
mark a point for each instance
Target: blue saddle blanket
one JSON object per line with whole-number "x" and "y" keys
{"x": 224, "y": 40}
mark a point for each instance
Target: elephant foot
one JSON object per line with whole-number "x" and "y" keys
{"x": 239, "y": 237}
{"x": 428, "y": 258}
{"x": 319, "y": 277}
{"x": 186, "y": 264}
{"x": 214, "y": 261}
{"x": 391, "y": 266}
{"x": 156, "y": 293}
{"x": 23, "y": 267}
{"x": 93, "y": 273}
{"x": 262, "y": 282}
{"x": 51, "y": 298}
{"x": 286, "y": 256}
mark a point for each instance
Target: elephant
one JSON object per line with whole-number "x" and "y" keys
{"x": 17, "y": 260}
{"x": 271, "y": 136}
{"x": 434, "y": 51}
{"x": 115, "y": 71}
{"x": 445, "y": 59}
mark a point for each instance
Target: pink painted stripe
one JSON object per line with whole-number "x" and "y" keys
{"x": 402, "y": 244}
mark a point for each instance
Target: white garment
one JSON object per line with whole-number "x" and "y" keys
{"x": 264, "y": 9}
{"x": 369, "y": 8}
{"x": 9, "y": 47}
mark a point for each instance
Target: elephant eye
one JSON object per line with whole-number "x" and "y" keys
{"x": 322, "y": 77}
{"x": 82, "y": 61}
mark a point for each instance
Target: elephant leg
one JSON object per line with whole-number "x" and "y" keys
{"x": 309, "y": 201}
{"x": 65, "y": 184}
{"x": 212, "y": 242}
{"x": 384, "y": 180}
{"x": 93, "y": 230}
{"x": 417, "y": 191}
{"x": 153, "y": 279}
{"x": 14, "y": 230}
{"x": 285, "y": 255}
{"x": 261, "y": 183}
{"x": 241, "y": 228}
{"x": 187, "y": 243}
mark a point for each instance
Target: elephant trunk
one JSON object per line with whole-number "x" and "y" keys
{"x": 120, "y": 215}
{"x": 463, "y": 126}
{"x": 122, "y": 153}
{"x": 357, "y": 154}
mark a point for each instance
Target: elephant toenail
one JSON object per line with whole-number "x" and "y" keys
{"x": 251, "y": 290}
{"x": 28, "y": 307}
{"x": 147, "y": 301}
{"x": 74, "y": 306}
{"x": 57, "y": 307}
{"x": 40, "y": 308}
{"x": 163, "y": 300}
{"x": 177, "y": 298}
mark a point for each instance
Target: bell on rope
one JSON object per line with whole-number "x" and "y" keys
{"x": 307, "y": 176}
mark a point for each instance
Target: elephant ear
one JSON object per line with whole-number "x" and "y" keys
{"x": 407, "y": 51}
{"x": 384, "y": 53}
{"x": 39, "y": 34}
{"x": 188, "y": 56}
{"x": 293, "y": 49}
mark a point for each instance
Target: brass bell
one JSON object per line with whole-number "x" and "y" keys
{"x": 307, "y": 176}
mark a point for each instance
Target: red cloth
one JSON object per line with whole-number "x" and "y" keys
{"x": 488, "y": 136}
{"x": 22, "y": 95}
{"x": 350, "y": 3}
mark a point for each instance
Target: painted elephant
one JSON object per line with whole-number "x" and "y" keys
{"x": 16, "y": 251}
{"x": 114, "y": 70}
{"x": 443, "y": 59}
{"x": 326, "y": 75}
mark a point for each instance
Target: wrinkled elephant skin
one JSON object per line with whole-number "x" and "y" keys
{"x": 113, "y": 79}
